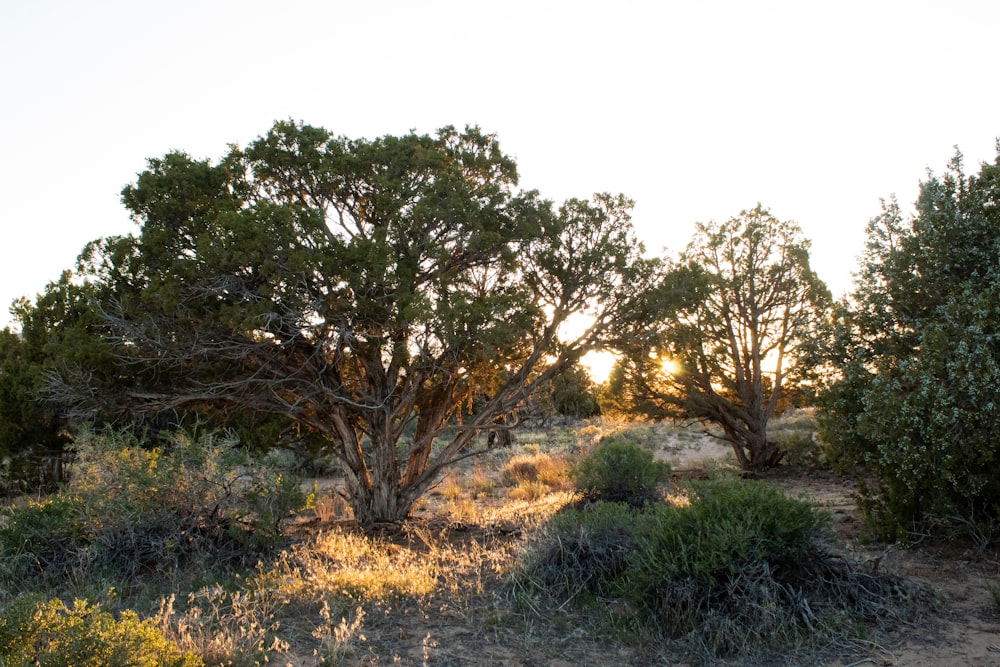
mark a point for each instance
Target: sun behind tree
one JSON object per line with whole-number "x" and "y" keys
{"x": 724, "y": 336}
{"x": 364, "y": 291}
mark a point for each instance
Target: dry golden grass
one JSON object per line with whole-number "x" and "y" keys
{"x": 480, "y": 484}
{"x": 536, "y": 467}
{"x": 225, "y": 627}
{"x": 533, "y": 475}
{"x": 334, "y": 594}
{"x": 450, "y": 488}
{"x": 330, "y": 506}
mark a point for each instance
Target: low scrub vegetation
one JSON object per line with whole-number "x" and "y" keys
{"x": 795, "y": 433}
{"x": 619, "y": 470}
{"x": 181, "y": 555}
{"x": 131, "y": 514}
{"x": 532, "y": 475}
{"x": 50, "y": 633}
{"x": 732, "y": 567}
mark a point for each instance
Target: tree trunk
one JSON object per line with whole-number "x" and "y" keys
{"x": 762, "y": 453}
{"x": 377, "y": 506}
{"x": 384, "y": 499}
{"x": 756, "y": 452}
{"x": 380, "y": 493}
{"x": 375, "y": 491}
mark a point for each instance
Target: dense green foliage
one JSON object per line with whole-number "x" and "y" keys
{"x": 52, "y": 634}
{"x": 129, "y": 513}
{"x": 29, "y": 432}
{"x": 52, "y": 332}
{"x": 619, "y": 470}
{"x": 362, "y": 291}
{"x": 724, "y": 336}
{"x": 728, "y": 525}
{"x": 917, "y": 355}
{"x": 574, "y": 394}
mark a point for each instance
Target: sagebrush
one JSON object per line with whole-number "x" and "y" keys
{"x": 733, "y": 567}
{"x": 619, "y": 470}
{"x": 130, "y": 512}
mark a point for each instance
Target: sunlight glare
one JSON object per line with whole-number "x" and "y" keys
{"x": 598, "y": 364}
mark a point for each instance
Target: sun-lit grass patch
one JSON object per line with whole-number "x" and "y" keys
{"x": 479, "y": 483}
{"x": 529, "y": 490}
{"x": 462, "y": 510}
{"x": 535, "y": 467}
{"x": 533, "y": 475}
{"x": 678, "y": 497}
{"x": 320, "y": 596}
{"x": 223, "y": 627}
{"x": 329, "y": 506}
{"x": 588, "y": 436}
{"x": 526, "y": 512}
{"x": 337, "y": 638}
{"x": 449, "y": 488}
{"x": 347, "y": 563}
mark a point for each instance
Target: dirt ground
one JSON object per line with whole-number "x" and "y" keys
{"x": 962, "y": 629}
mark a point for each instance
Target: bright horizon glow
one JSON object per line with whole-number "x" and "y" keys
{"x": 694, "y": 110}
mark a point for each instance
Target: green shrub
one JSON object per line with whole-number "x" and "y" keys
{"x": 574, "y": 394}
{"x": 618, "y": 470}
{"x": 50, "y": 633}
{"x": 713, "y": 569}
{"x": 41, "y": 537}
{"x": 739, "y": 570}
{"x": 128, "y": 511}
{"x": 916, "y": 367}
{"x": 727, "y": 526}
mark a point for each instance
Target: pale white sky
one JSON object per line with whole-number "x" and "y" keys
{"x": 694, "y": 109}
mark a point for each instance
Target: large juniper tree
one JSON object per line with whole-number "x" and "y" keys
{"x": 364, "y": 290}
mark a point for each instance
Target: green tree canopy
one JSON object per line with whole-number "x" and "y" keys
{"x": 725, "y": 334}
{"x": 574, "y": 394}
{"x": 916, "y": 355}
{"x": 52, "y": 332}
{"x": 361, "y": 289}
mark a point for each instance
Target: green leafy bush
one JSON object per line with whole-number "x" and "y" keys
{"x": 574, "y": 394}
{"x": 41, "y": 537}
{"x": 129, "y": 511}
{"x": 618, "y": 470}
{"x": 31, "y": 437}
{"x": 917, "y": 365}
{"x": 50, "y": 633}
{"x": 739, "y": 570}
